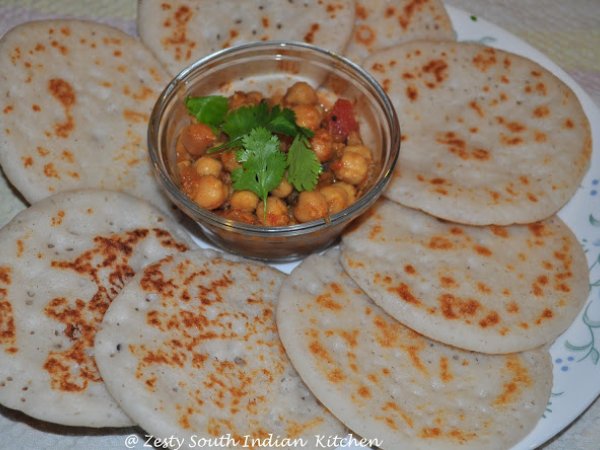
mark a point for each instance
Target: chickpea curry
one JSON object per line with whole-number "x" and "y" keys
{"x": 273, "y": 161}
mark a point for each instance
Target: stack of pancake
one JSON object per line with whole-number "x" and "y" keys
{"x": 428, "y": 328}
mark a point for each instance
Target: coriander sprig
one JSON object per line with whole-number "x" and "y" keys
{"x": 254, "y": 131}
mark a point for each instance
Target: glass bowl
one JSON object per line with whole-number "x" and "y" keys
{"x": 271, "y": 67}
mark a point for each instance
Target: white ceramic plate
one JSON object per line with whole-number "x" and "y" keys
{"x": 576, "y": 354}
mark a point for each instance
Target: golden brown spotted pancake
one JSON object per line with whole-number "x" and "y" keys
{"x": 386, "y": 382}
{"x": 489, "y": 137}
{"x": 75, "y": 98}
{"x": 62, "y": 262}
{"x": 383, "y": 23}
{"x": 489, "y": 289}
{"x": 179, "y": 32}
{"x": 190, "y": 349}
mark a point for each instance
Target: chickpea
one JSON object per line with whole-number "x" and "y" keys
{"x": 308, "y": 116}
{"x": 205, "y": 165}
{"x": 322, "y": 145}
{"x": 230, "y": 161}
{"x": 244, "y": 201}
{"x": 211, "y": 192}
{"x": 311, "y": 205}
{"x": 301, "y": 93}
{"x": 354, "y": 138}
{"x": 336, "y": 197}
{"x": 361, "y": 150}
{"x": 352, "y": 168}
{"x": 276, "y": 215}
{"x": 244, "y": 99}
{"x": 350, "y": 191}
{"x": 283, "y": 189}
{"x": 197, "y": 138}
{"x": 182, "y": 165}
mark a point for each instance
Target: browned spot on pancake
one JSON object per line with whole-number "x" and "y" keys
{"x": 510, "y": 140}
{"x": 50, "y": 171}
{"x": 514, "y": 127}
{"x": 447, "y": 282}
{"x": 310, "y": 36}
{"x": 36, "y": 108}
{"x": 392, "y": 406}
{"x": 378, "y": 67}
{"x": 409, "y": 10}
{"x": 375, "y": 231}
{"x": 177, "y": 40}
{"x": 430, "y": 432}
{"x": 8, "y": 109}
{"x": 440, "y": 243}
{"x": 458, "y": 308}
{"x": 57, "y": 220}
{"x": 63, "y": 50}
{"x": 490, "y": 320}
{"x": 134, "y": 116}
{"x": 27, "y": 161}
{"x": 482, "y": 250}
{"x": 436, "y": 68}
{"x": 485, "y": 59}
{"x": 568, "y": 123}
{"x": 483, "y": 288}
{"x": 403, "y": 291}
{"x": 520, "y": 380}
{"x": 412, "y": 93}
{"x": 327, "y": 302}
{"x": 499, "y": 231}
{"x": 540, "y": 137}
{"x": 7, "y": 321}
{"x": 445, "y": 374}
{"x": 62, "y": 91}
{"x": 540, "y": 88}
{"x": 437, "y": 181}
{"x": 336, "y": 376}
{"x": 475, "y": 107}
{"x": 364, "y": 392}
{"x": 544, "y": 315}
{"x": 386, "y": 84}
{"x": 512, "y": 307}
{"x": 364, "y": 34}
{"x": 409, "y": 269}
{"x": 361, "y": 12}
{"x": 335, "y": 287}
{"x": 541, "y": 111}
{"x": 319, "y": 351}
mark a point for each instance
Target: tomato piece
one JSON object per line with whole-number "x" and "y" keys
{"x": 341, "y": 120}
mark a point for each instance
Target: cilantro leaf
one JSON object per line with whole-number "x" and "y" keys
{"x": 244, "y": 119}
{"x": 303, "y": 165}
{"x": 263, "y": 164}
{"x": 210, "y": 110}
{"x": 282, "y": 121}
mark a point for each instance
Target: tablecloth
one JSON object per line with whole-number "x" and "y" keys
{"x": 566, "y": 31}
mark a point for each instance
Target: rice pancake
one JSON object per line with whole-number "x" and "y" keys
{"x": 488, "y": 289}
{"x": 62, "y": 262}
{"x": 488, "y": 137}
{"x": 75, "y": 98}
{"x": 179, "y": 32}
{"x": 190, "y": 349}
{"x": 383, "y": 23}
{"x": 388, "y": 383}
